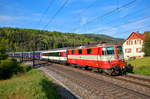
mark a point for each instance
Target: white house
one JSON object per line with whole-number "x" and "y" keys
{"x": 133, "y": 45}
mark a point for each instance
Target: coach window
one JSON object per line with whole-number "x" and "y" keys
{"x": 80, "y": 51}
{"x": 89, "y": 51}
{"x": 72, "y": 51}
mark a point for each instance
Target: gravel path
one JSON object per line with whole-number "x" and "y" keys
{"x": 89, "y": 85}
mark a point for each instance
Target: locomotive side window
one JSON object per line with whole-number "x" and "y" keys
{"x": 89, "y": 51}
{"x": 80, "y": 51}
{"x": 72, "y": 51}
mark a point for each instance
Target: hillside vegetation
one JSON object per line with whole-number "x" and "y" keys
{"x": 141, "y": 66}
{"x": 30, "y": 39}
{"x": 103, "y": 38}
{"x": 31, "y": 85}
{"x": 147, "y": 44}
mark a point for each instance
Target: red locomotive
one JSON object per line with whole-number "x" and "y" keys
{"x": 106, "y": 58}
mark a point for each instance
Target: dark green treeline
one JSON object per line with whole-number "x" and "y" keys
{"x": 30, "y": 39}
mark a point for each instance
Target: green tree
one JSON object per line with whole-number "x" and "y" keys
{"x": 147, "y": 44}
{"x": 3, "y": 46}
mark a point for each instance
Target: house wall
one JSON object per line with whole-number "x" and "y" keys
{"x": 133, "y": 44}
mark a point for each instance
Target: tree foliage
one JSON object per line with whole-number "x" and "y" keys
{"x": 9, "y": 67}
{"x": 3, "y": 47}
{"x": 147, "y": 44}
{"x": 31, "y": 39}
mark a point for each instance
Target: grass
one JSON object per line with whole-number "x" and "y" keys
{"x": 141, "y": 66}
{"x": 31, "y": 85}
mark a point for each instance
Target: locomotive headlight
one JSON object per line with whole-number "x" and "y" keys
{"x": 104, "y": 49}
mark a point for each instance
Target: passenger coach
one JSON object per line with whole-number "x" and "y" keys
{"x": 55, "y": 55}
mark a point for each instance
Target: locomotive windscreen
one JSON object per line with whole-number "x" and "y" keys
{"x": 108, "y": 50}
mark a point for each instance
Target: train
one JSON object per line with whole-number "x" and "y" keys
{"x": 105, "y": 58}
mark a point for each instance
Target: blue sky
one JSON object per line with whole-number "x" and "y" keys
{"x": 79, "y": 16}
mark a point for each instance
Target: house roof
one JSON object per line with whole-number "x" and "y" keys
{"x": 135, "y": 35}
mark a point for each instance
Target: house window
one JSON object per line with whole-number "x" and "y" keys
{"x": 138, "y": 50}
{"x": 128, "y": 50}
{"x": 135, "y": 42}
{"x": 80, "y": 51}
{"x": 89, "y": 51}
{"x": 127, "y": 42}
{"x": 131, "y": 42}
{"x": 140, "y": 42}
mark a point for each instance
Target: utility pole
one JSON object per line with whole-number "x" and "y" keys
{"x": 22, "y": 56}
{"x": 33, "y": 58}
{"x": 33, "y": 53}
{"x": 22, "y": 53}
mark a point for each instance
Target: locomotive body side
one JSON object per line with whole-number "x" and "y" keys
{"x": 81, "y": 57}
{"x": 105, "y": 58}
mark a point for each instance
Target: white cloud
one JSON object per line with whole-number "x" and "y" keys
{"x": 4, "y": 18}
{"x": 7, "y": 18}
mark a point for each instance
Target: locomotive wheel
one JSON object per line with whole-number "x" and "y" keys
{"x": 87, "y": 68}
{"x": 115, "y": 73}
{"x": 99, "y": 70}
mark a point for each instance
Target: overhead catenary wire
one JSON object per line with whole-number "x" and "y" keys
{"x": 57, "y": 12}
{"x": 131, "y": 22}
{"x": 136, "y": 29}
{"x": 130, "y": 14}
{"x": 88, "y": 7}
{"x": 46, "y": 10}
{"x": 108, "y": 13}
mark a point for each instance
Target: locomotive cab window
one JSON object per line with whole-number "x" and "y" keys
{"x": 80, "y": 51}
{"x": 89, "y": 51}
{"x": 108, "y": 50}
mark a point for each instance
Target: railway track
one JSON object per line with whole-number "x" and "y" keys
{"x": 136, "y": 80}
{"x": 132, "y": 86}
{"x": 98, "y": 85}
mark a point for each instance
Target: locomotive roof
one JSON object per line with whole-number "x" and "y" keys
{"x": 95, "y": 45}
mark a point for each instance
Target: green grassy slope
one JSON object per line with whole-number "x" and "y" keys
{"x": 141, "y": 66}
{"x": 32, "y": 85}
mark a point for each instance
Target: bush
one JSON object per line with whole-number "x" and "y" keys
{"x": 131, "y": 58}
{"x": 10, "y": 67}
